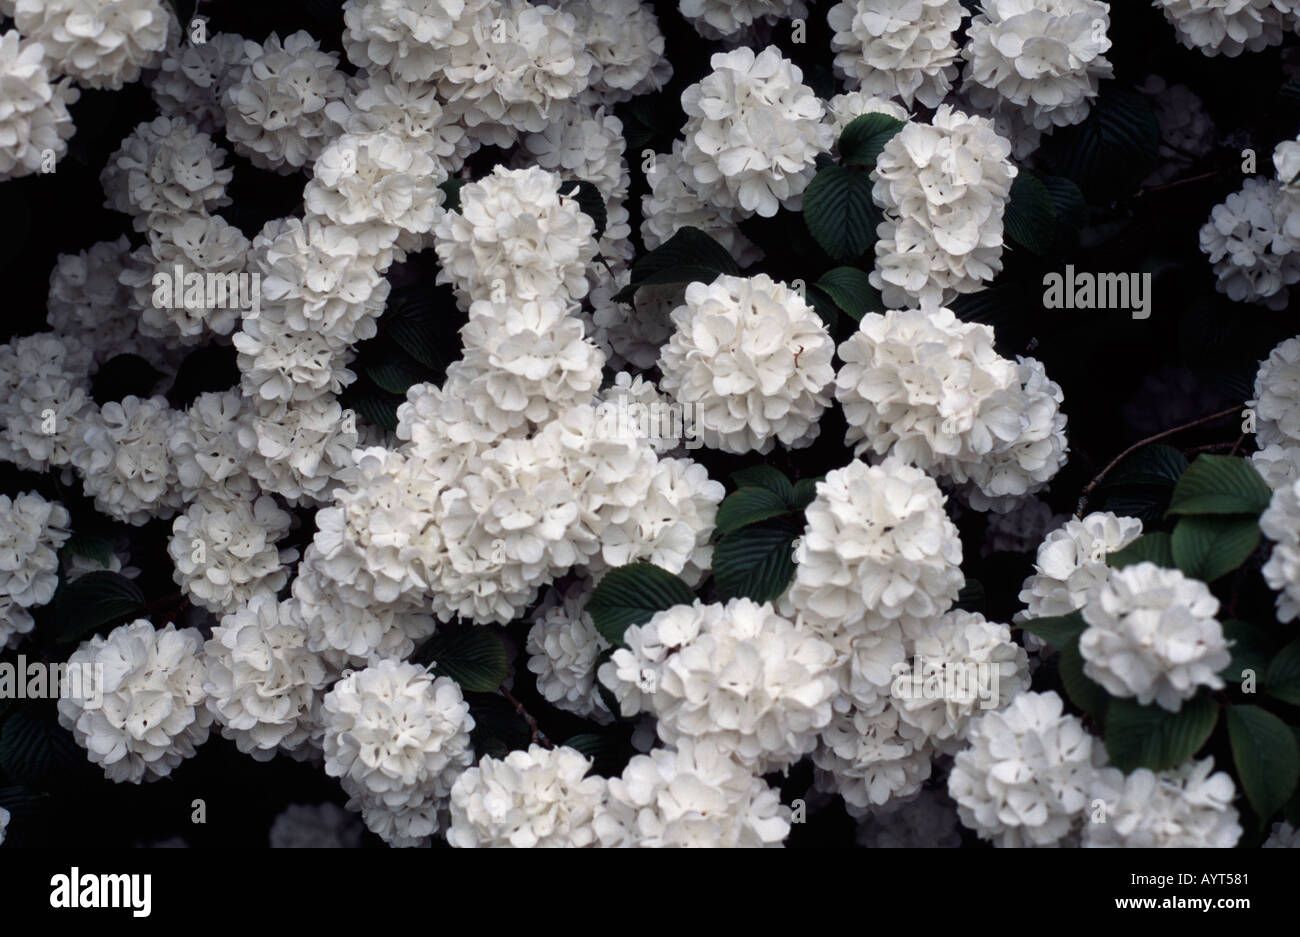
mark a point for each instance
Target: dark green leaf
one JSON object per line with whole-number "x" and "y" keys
{"x": 1266, "y": 755}
{"x": 1149, "y": 548}
{"x": 1207, "y": 547}
{"x": 395, "y": 375}
{"x": 1251, "y": 650}
{"x": 373, "y": 405}
{"x": 36, "y": 752}
{"x": 862, "y": 140}
{"x": 1083, "y": 692}
{"x": 805, "y": 491}
{"x": 419, "y": 339}
{"x": 748, "y": 506}
{"x": 589, "y": 200}
{"x": 839, "y": 212}
{"x": 825, "y": 307}
{"x": 92, "y": 601}
{"x": 756, "y": 562}
{"x": 687, "y": 256}
{"x": 1113, "y": 149}
{"x": 1056, "y": 630}
{"x": 1030, "y": 218}
{"x": 1071, "y": 208}
{"x": 1220, "y": 484}
{"x": 1152, "y": 737}
{"x": 471, "y": 655}
{"x": 452, "y": 187}
{"x": 1283, "y": 680}
{"x": 96, "y": 547}
{"x": 631, "y": 595}
{"x": 498, "y": 727}
{"x": 852, "y": 291}
{"x": 764, "y": 476}
{"x": 609, "y": 754}
{"x": 972, "y": 597}
{"x": 1156, "y": 464}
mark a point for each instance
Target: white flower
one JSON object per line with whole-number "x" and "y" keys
{"x": 927, "y": 821}
{"x": 1277, "y": 396}
{"x": 902, "y": 49}
{"x": 275, "y": 107}
{"x": 753, "y": 360}
{"x": 878, "y": 548}
{"x": 580, "y": 143}
{"x": 1028, "y": 774}
{"x": 100, "y": 43}
{"x": 46, "y": 406}
{"x": 694, "y": 796}
{"x": 1280, "y": 523}
{"x": 31, "y": 532}
{"x": 843, "y": 109}
{"x": 674, "y": 202}
{"x": 1278, "y": 465}
{"x": 262, "y": 681}
{"x": 515, "y": 238}
{"x": 205, "y": 246}
{"x": 1152, "y": 634}
{"x": 193, "y": 77}
{"x": 224, "y": 552}
{"x": 396, "y": 738}
{"x": 85, "y": 297}
{"x": 660, "y": 422}
{"x": 1071, "y": 560}
{"x": 863, "y": 757}
{"x": 279, "y": 364}
{"x": 1286, "y": 162}
{"x": 315, "y": 826}
{"x": 378, "y": 186}
{"x": 538, "y": 798}
{"x": 944, "y": 187}
{"x": 4, "y": 824}
{"x": 1037, "y": 63}
{"x": 301, "y": 450}
{"x": 1227, "y": 27}
{"x": 440, "y": 425}
{"x": 1184, "y": 808}
{"x": 205, "y": 446}
{"x": 165, "y": 171}
{"x": 716, "y": 18}
{"x": 128, "y": 468}
{"x": 562, "y": 646}
{"x": 746, "y": 680}
{"x": 623, "y": 39}
{"x": 753, "y": 132}
{"x": 34, "y": 119}
{"x": 412, "y": 39}
{"x": 1283, "y": 836}
{"x": 1244, "y": 239}
{"x": 377, "y": 101}
{"x": 981, "y": 658}
{"x": 154, "y": 711}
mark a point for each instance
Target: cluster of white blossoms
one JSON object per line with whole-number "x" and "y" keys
{"x": 674, "y": 202}
{"x": 716, "y": 19}
{"x": 1229, "y": 27}
{"x": 193, "y": 77}
{"x": 1152, "y": 634}
{"x": 843, "y": 109}
{"x": 1247, "y": 242}
{"x": 1071, "y": 561}
{"x": 1034, "y": 65}
{"x": 944, "y": 187}
{"x": 753, "y": 360}
{"x": 927, "y": 820}
{"x": 397, "y": 739}
{"x": 263, "y": 683}
{"x": 31, "y": 532}
{"x": 128, "y": 467}
{"x": 905, "y": 49}
{"x": 86, "y": 299}
{"x": 627, "y": 48}
{"x": 34, "y": 118}
{"x": 154, "y": 711}
{"x": 753, "y": 132}
{"x": 1276, "y": 405}
{"x": 46, "y": 407}
{"x": 1187, "y": 807}
{"x": 1280, "y": 523}
{"x": 316, "y": 826}
{"x": 99, "y": 43}
{"x": 563, "y": 646}
{"x": 930, "y": 389}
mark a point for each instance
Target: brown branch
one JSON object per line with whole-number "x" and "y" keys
{"x": 1092, "y": 485}
{"x": 1177, "y": 182}
{"x": 539, "y": 736}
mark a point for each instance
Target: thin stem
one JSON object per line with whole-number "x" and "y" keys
{"x": 538, "y": 735}
{"x": 1092, "y": 485}
{"x": 1177, "y": 182}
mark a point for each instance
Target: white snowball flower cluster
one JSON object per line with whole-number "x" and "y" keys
{"x": 690, "y": 796}
{"x": 1278, "y": 465}
{"x": 753, "y": 132}
{"x": 166, "y": 171}
{"x": 864, "y": 758}
{"x": 1036, "y": 64}
{"x": 631, "y": 333}
{"x": 31, "y": 532}
{"x": 200, "y": 245}
{"x": 520, "y": 62}
{"x": 263, "y": 683}
{"x": 154, "y": 712}
{"x": 1188, "y": 807}
{"x": 623, "y": 39}
{"x": 843, "y": 109}
{"x": 34, "y": 120}
{"x": 1286, "y": 164}
{"x": 927, "y": 821}
{"x": 46, "y": 406}
{"x": 275, "y": 107}
{"x": 378, "y": 101}
{"x": 224, "y": 552}
{"x": 738, "y": 676}
{"x": 674, "y": 202}
{"x": 878, "y": 548}
{"x": 1277, "y": 396}
{"x": 100, "y": 43}
{"x": 1071, "y": 560}
{"x": 1254, "y": 261}
{"x": 1283, "y": 836}
{"x": 129, "y": 469}
{"x": 193, "y": 78}
{"x": 715, "y": 19}
{"x": 86, "y": 298}
{"x": 205, "y": 446}
{"x": 300, "y": 450}
{"x": 1280, "y": 523}
{"x": 4, "y": 824}
{"x": 944, "y": 187}
{"x": 563, "y": 645}
{"x": 1028, "y": 775}
{"x": 1152, "y": 634}
{"x": 903, "y": 49}
{"x": 539, "y": 798}
{"x": 515, "y": 238}
{"x": 753, "y": 360}
{"x": 926, "y": 387}
{"x": 315, "y": 826}
{"x": 411, "y": 39}
{"x": 397, "y": 739}
{"x": 1225, "y": 27}
{"x": 380, "y": 187}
